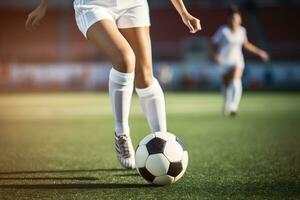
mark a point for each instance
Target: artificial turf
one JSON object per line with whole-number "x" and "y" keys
{"x": 60, "y": 146}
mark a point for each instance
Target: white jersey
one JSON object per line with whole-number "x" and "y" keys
{"x": 230, "y": 46}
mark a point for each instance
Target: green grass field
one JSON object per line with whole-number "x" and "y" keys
{"x": 60, "y": 146}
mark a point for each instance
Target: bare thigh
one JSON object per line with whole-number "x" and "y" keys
{"x": 227, "y": 77}
{"x": 139, "y": 40}
{"x": 238, "y": 73}
{"x": 111, "y": 43}
{"x": 234, "y": 73}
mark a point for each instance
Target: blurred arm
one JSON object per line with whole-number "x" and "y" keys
{"x": 190, "y": 21}
{"x": 44, "y": 3}
{"x": 34, "y": 18}
{"x": 215, "y": 41}
{"x": 255, "y": 50}
{"x": 180, "y": 7}
{"x": 214, "y": 50}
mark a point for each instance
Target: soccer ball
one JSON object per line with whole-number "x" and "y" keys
{"x": 161, "y": 158}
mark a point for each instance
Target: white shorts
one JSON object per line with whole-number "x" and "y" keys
{"x": 224, "y": 69}
{"x": 124, "y": 13}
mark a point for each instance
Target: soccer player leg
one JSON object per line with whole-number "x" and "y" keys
{"x": 236, "y": 95}
{"x": 120, "y": 92}
{"x": 153, "y": 104}
{"x": 226, "y": 99}
{"x": 106, "y": 36}
{"x": 227, "y": 76}
{"x": 236, "y": 87}
{"x": 147, "y": 87}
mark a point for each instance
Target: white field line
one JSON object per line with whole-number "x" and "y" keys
{"x": 70, "y": 112}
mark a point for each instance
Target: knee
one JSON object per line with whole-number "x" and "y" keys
{"x": 238, "y": 73}
{"x": 143, "y": 77}
{"x": 124, "y": 61}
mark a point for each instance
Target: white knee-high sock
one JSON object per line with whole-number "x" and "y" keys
{"x": 227, "y": 96}
{"x": 153, "y": 104}
{"x": 120, "y": 92}
{"x": 236, "y": 88}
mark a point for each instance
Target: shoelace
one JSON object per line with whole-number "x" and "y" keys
{"x": 124, "y": 147}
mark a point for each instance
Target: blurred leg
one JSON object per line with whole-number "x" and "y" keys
{"x": 227, "y": 91}
{"x": 227, "y": 77}
{"x": 147, "y": 87}
{"x": 236, "y": 85}
{"x": 106, "y": 36}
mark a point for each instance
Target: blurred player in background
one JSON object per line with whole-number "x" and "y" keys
{"x": 120, "y": 30}
{"x": 229, "y": 41}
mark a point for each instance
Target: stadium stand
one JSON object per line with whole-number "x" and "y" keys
{"x": 281, "y": 31}
{"x": 58, "y": 38}
{"x": 18, "y": 45}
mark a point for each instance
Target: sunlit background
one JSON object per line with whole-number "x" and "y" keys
{"x": 56, "y": 57}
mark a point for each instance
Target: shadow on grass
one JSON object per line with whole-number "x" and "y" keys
{"x": 76, "y": 186}
{"x": 50, "y": 178}
{"x": 63, "y": 171}
{"x": 127, "y": 175}
{"x": 68, "y": 185}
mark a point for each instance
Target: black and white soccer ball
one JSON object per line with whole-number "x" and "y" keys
{"x": 161, "y": 158}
